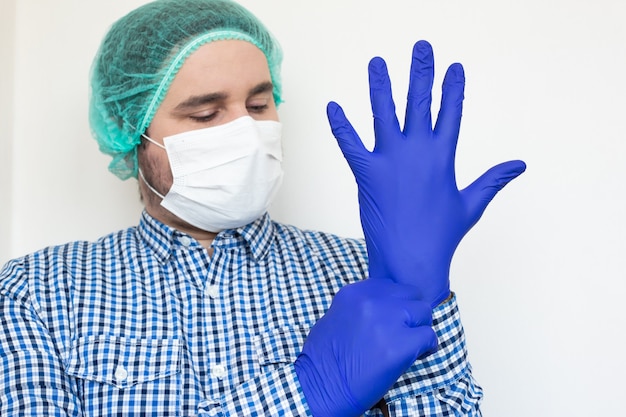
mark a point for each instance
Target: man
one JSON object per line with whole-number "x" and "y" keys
{"x": 209, "y": 308}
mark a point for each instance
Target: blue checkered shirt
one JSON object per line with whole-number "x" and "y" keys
{"x": 144, "y": 323}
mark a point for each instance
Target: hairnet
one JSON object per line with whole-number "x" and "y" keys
{"x": 141, "y": 55}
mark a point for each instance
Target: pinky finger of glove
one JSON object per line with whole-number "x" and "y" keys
{"x": 348, "y": 140}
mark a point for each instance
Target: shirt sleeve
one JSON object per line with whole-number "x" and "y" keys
{"x": 33, "y": 381}
{"x": 442, "y": 383}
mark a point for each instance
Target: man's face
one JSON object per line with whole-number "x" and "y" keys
{"x": 220, "y": 82}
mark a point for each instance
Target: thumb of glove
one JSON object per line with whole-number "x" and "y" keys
{"x": 480, "y": 193}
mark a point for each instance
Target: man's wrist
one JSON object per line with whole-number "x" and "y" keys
{"x": 448, "y": 298}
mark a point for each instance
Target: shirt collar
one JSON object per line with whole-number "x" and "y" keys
{"x": 162, "y": 239}
{"x": 157, "y": 236}
{"x": 258, "y": 236}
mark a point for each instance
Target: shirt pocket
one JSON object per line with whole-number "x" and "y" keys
{"x": 117, "y": 370}
{"x": 277, "y": 347}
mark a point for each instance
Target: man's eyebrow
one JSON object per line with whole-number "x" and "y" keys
{"x": 263, "y": 87}
{"x": 195, "y": 101}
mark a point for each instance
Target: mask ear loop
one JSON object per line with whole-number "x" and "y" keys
{"x": 152, "y": 141}
{"x": 149, "y": 186}
{"x": 143, "y": 178}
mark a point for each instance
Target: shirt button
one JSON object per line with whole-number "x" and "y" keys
{"x": 121, "y": 374}
{"x": 219, "y": 371}
{"x": 213, "y": 291}
{"x": 185, "y": 241}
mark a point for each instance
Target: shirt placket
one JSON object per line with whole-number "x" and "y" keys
{"x": 216, "y": 323}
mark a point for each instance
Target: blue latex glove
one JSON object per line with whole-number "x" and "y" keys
{"x": 412, "y": 213}
{"x": 373, "y": 331}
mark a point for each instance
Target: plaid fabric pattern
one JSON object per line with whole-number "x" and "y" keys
{"x": 144, "y": 323}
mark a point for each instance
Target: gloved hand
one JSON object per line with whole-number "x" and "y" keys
{"x": 412, "y": 213}
{"x": 373, "y": 331}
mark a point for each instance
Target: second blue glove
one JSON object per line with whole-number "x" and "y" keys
{"x": 373, "y": 331}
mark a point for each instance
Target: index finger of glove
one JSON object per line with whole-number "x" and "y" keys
{"x": 449, "y": 117}
{"x": 418, "y": 313}
{"x": 417, "y": 342}
{"x": 386, "y": 126}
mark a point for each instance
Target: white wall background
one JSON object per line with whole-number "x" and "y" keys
{"x": 7, "y": 53}
{"x": 540, "y": 279}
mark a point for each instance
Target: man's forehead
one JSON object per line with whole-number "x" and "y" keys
{"x": 222, "y": 68}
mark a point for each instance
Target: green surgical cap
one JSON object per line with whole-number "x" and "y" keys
{"x": 141, "y": 55}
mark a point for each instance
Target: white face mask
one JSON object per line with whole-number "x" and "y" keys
{"x": 224, "y": 176}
